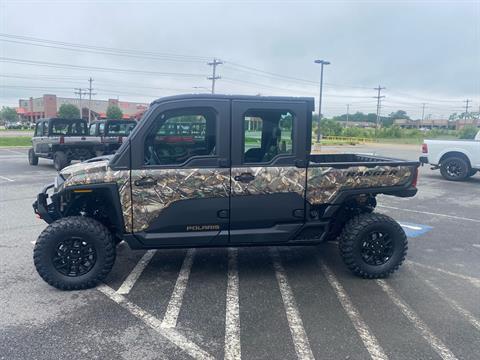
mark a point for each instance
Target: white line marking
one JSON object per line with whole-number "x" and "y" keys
{"x": 411, "y": 227}
{"x": 136, "y": 272}
{"x": 476, "y": 245}
{"x": 171, "y": 334}
{"x": 369, "y": 340}
{"x": 175, "y": 303}
{"x": 232, "y": 316}
{"x": 424, "y": 330}
{"x": 467, "y": 314}
{"x": 5, "y": 178}
{"x": 474, "y": 281}
{"x": 430, "y": 213}
{"x": 15, "y": 152}
{"x": 299, "y": 336}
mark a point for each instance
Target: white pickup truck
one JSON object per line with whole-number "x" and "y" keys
{"x": 456, "y": 159}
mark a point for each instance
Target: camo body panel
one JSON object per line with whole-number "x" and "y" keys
{"x": 324, "y": 183}
{"x": 99, "y": 173}
{"x": 269, "y": 180}
{"x": 174, "y": 185}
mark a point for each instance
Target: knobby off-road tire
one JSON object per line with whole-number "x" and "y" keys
{"x": 32, "y": 158}
{"x": 71, "y": 241}
{"x": 455, "y": 168}
{"x": 60, "y": 160}
{"x": 373, "y": 245}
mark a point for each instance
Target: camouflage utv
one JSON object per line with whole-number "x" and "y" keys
{"x": 210, "y": 171}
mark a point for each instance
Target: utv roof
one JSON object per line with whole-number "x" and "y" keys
{"x": 310, "y": 100}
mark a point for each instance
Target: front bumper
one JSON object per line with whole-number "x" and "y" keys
{"x": 46, "y": 212}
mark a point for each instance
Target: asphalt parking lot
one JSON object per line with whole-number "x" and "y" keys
{"x": 253, "y": 303}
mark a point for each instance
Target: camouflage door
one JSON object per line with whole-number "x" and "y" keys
{"x": 268, "y": 189}
{"x": 181, "y": 189}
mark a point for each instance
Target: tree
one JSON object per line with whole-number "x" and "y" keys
{"x": 8, "y": 114}
{"x": 68, "y": 111}
{"x": 468, "y": 132}
{"x": 114, "y": 112}
{"x": 399, "y": 114}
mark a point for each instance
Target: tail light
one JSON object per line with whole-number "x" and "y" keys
{"x": 62, "y": 140}
{"x": 415, "y": 178}
{"x": 425, "y": 148}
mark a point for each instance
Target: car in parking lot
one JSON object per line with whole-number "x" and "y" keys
{"x": 111, "y": 132}
{"x": 456, "y": 159}
{"x": 62, "y": 140}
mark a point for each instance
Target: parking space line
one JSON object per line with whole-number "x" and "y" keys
{"x": 429, "y": 213}
{"x": 299, "y": 336}
{"x": 437, "y": 344}
{"x": 474, "y": 281}
{"x": 455, "y": 305}
{"x": 172, "y": 335}
{"x": 175, "y": 303}
{"x": 136, "y": 272}
{"x": 232, "y": 316}
{"x": 5, "y": 178}
{"x": 15, "y": 152}
{"x": 369, "y": 340}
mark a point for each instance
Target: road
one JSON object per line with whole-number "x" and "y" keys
{"x": 253, "y": 303}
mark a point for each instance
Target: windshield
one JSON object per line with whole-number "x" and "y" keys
{"x": 120, "y": 128}
{"x": 66, "y": 127}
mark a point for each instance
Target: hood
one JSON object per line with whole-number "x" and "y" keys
{"x": 84, "y": 168}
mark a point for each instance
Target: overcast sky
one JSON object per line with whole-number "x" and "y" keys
{"x": 421, "y": 51}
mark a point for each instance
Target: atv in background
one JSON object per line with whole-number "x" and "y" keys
{"x": 63, "y": 140}
{"x": 111, "y": 133}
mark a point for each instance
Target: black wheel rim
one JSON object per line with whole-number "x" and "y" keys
{"x": 377, "y": 248}
{"x": 74, "y": 257}
{"x": 453, "y": 168}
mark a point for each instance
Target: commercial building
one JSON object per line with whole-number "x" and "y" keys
{"x": 48, "y": 105}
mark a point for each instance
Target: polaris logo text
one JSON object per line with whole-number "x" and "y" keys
{"x": 202, "y": 227}
{"x": 372, "y": 173}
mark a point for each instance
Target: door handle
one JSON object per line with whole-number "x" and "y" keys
{"x": 145, "y": 182}
{"x": 244, "y": 177}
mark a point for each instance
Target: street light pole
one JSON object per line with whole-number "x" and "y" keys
{"x": 322, "y": 63}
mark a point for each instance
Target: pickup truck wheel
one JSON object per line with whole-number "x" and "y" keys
{"x": 373, "y": 245}
{"x": 455, "y": 169}
{"x": 32, "y": 158}
{"x": 74, "y": 253}
{"x": 60, "y": 160}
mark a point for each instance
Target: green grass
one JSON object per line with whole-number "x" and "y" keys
{"x": 16, "y": 141}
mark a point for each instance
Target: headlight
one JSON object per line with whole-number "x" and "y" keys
{"x": 58, "y": 182}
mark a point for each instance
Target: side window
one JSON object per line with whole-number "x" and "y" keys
{"x": 267, "y": 133}
{"x": 45, "y": 128}
{"x": 39, "y": 129}
{"x": 92, "y": 129}
{"x": 181, "y": 134}
{"x": 101, "y": 129}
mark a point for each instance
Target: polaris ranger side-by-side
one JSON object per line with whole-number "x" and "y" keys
{"x": 215, "y": 170}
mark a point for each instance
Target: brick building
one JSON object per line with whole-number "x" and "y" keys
{"x": 48, "y": 105}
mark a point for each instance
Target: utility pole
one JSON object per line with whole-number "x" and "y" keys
{"x": 378, "y": 97}
{"x": 423, "y": 114}
{"x": 90, "y": 99}
{"x": 322, "y": 63}
{"x": 80, "y": 92}
{"x": 214, "y": 72}
{"x": 348, "y": 113}
{"x": 467, "y": 101}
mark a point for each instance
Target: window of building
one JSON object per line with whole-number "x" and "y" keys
{"x": 267, "y": 133}
{"x": 181, "y": 134}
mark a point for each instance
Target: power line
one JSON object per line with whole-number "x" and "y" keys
{"x": 214, "y": 76}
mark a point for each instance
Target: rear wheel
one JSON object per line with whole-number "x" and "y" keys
{"x": 455, "y": 169}
{"x": 32, "y": 158}
{"x": 74, "y": 253}
{"x": 472, "y": 172}
{"x": 60, "y": 160}
{"x": 373, "y": 245}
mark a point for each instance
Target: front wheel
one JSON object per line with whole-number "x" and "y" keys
{"x": 373, "y": 245}
{"x": 74, "y": 253}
